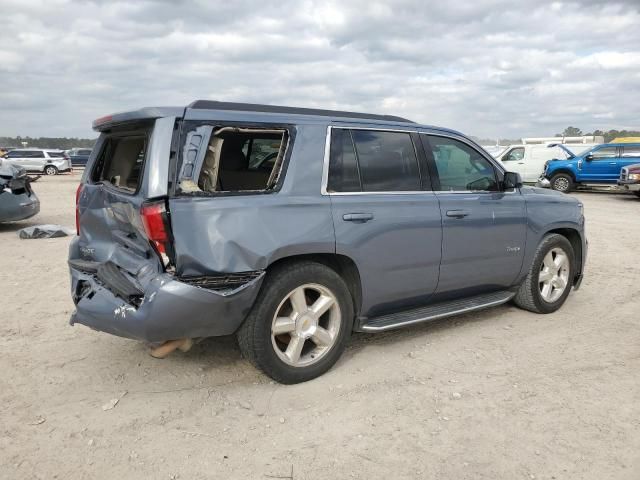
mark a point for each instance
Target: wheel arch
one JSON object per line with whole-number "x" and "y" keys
{"x": 575, "y": 239}
{"x": 341, "y": 264}
{"x": 566, "y": 171}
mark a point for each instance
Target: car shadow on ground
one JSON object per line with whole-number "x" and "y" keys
{"x": 223, "y": 353}
{"x": 15, "y": 226}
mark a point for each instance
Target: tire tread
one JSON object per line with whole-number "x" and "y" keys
{"x": 526, "y": 297}
{"x": 252, "y": 338}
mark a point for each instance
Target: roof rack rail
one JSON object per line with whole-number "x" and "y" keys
{"x": 255, "y": 107}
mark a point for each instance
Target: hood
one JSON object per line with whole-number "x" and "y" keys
{"x": 10, "y": 172}
{"x": 569, "y": 152}
{"x": 548, "y": 192}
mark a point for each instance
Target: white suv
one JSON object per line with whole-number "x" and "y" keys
{"x": 47, "y": 161}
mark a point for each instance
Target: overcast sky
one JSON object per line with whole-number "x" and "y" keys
{"x": 486, "y": 67}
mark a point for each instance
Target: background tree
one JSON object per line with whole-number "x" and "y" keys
{"x": 570, "y": 132}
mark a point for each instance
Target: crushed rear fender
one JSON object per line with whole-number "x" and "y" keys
{"x": 169, "y": 309}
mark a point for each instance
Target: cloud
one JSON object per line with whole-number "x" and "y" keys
{"x": 487, "y": 68}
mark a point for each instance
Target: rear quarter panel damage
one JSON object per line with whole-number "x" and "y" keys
{"x": 249, "y": 231}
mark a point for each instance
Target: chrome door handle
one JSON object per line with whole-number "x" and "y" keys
{"x": 613, "y": 163}
{"x": 357, "y": 217}
{"x": 457, "y": 213}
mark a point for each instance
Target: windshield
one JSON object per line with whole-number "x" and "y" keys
{"x": 584, "y": 152}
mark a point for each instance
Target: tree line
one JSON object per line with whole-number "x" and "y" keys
{"x": 62, "y": 143}
{"x": 608, "y": 135}
{"x": 568, "y": 132}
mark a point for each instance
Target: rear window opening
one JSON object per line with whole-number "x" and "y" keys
{"x": 233, "y": 159}
{"x": 121, "y": 161}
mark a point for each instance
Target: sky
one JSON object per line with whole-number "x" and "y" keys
{"x": 488, "y": 68}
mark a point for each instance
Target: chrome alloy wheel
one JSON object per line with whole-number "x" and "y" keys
{"x": 561, "y": 184}
{"x": 306, "y": 325}
{"x": 554, "y": 275}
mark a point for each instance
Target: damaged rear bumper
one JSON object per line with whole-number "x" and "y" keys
{"x": 167, "y": 309}
{"x": 14, "y": 207}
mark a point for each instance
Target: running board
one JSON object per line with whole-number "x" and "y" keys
{"x": 436, "y": 311}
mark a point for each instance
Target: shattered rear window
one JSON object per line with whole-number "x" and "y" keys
{"x": 232, "y": 159}
{"x": 121, "y": 161}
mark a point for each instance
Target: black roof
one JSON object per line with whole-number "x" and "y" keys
{"x": 255, "y": 107}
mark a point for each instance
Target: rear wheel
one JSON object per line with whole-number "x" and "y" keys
{"x": 50, "y": 170}
{"x": 299, "y": 324}
{"x": 549, "y": 280}
{"x": 637, "y": 194}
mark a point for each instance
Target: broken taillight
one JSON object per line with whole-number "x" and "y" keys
{"x": 78, "y": 192}
{"x": 156, "y": 225}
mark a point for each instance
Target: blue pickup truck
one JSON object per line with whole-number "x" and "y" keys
{"x": 598, "y": 165}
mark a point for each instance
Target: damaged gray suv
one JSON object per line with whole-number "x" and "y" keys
{"x": 292, "y": 228}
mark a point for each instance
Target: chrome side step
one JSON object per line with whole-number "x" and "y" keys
{"x": 436, "y": 311}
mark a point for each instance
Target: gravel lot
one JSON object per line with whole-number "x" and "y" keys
{"x": 500, "y": 394}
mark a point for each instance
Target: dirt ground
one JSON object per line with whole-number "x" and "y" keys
{"x": 500, "y": 394}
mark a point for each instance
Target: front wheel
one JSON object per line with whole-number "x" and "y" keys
{"x": 299, "y": 324}
{"x": 550, "y": 277}
{"x": 562, "y": 182}
{"x": 50, "y": 170}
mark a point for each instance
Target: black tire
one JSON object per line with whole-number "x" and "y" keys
{"x": 50, "y": 170}
{"x": 529, "y": 296}
{"x": 637, "y": 194}
{"x": 254, "y": 336}
{"x": 562, "y": 182}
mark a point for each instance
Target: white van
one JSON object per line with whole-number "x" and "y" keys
{"x": 529, "y": 160}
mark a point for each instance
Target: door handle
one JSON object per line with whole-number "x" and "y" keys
{"x": 357, "y": 217}
{"x": 613, "y": 163}
{"x": 457, "y": 213}
{"x": 520, "y": 163}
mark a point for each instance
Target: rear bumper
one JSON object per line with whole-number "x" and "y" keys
{"x": 18, "y": 207}
{"x": 168, "y": 310}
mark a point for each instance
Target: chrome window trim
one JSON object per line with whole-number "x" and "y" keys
{"x": 327, "y": 153}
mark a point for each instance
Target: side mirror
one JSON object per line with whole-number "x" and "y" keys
{"x": 511, "y": 180}
{"x": 589, "y": 157}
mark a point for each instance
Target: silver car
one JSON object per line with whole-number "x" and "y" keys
{"x": 47, "y": 161}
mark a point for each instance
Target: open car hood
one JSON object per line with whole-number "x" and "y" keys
{"x": 569, "y": 152}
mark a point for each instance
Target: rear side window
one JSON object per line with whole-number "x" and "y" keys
{"x": 30, "y": 154}
{"x": 631, "y": 151}
{"x": 372, "y": 161}
{"x": 55, "y": 154}
{"x": 222, "y": 159}
{"x": 343, "y": 165}
{"x": 121, "y": 161}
